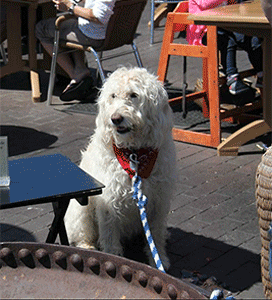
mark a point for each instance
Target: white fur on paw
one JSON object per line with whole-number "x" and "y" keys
{"x": 86, "y": 246}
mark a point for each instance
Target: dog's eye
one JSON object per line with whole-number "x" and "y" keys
{"x": 133, "y": 95}
{"x": 113, "y": 96}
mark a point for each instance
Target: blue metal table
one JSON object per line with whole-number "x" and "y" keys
{"x": 44, "y": 179}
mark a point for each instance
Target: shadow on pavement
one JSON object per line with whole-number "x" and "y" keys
{"x": 198, "y": 258}
{"x": 23, "y": 140}
{"x": 10, "y": 233}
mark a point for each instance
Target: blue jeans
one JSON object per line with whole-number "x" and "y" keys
{"x": 228, "y": 42}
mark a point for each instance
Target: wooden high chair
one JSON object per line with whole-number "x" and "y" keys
{"x": 176, "y": 21}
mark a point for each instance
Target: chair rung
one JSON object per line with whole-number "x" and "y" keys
{"x": 187, "y": 50}
{"x": 189, "y": 97}
{"x": 110, "y": 56}
{"x": 238, "y": 111}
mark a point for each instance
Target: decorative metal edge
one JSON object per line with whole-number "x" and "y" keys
{"x": 96, "y": 263}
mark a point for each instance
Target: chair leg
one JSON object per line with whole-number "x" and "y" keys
{"x": 152, "y": 21}
{"x": 137, "y": 55}
{"x": 53, "y": 68}
{"x": 100, "y": 69}
{"x": 3, "y": 54}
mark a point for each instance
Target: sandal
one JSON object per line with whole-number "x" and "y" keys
{"x": 77, "y": 90}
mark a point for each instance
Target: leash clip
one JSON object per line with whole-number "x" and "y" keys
{"x": 134, "y": 163}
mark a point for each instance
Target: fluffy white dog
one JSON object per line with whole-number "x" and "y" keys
{"x": 134, "y": 117}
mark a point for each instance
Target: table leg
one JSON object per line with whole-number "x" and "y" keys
{"x": 249, "y": 132}
{"x": 58, "y": 226}
{"x": 34, "y": 75}
{"x": 15, "y": 62}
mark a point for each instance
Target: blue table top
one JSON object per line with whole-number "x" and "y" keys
{"x": 44, "y": 179}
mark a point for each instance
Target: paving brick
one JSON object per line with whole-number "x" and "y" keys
{"x": 254, "y": 245}
{"x": 244, "y": 277}
{"x": 193, "y": 225}
{"x": 245, "y": 214}
{"x": 17, "y": 234}
{"x": 195, "y": 158}
{"x": 252, "y": 226}
{"x": 207, "y": 201}
{"x": 43, "y": 221}
{"x": 255, "y": 292}
{"x": 237, "y": 184}
{"x": 249, "y": 169}
{"x": 181, "y": 214}
{"x": 229, "y": 262}
{"x": 236, "y": 237}
{"x": 208, "y": 187}
{"x": 217, "y": 245}
{"x": 217, "y": 212}
{"x": 187, "y": 152}
{"x": 219, "y": 228}
{"x": 36, "y": 210}
{"x": 16, "y": 220}
{"x": 181, "y": 200}
{"x": 198, "y": 259}
{"x": 187, "y": 244}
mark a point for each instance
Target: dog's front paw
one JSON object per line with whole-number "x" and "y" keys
{"x": 87, "y": 246}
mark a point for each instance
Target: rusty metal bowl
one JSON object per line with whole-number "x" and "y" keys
{"x": 33, "y": 270}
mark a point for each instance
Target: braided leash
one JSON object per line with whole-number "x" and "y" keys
{"x": 141, "y": 201}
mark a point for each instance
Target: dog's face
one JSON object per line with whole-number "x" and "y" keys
{"x": 134, "y": 110}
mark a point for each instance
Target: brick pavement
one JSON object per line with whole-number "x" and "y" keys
{"x": 213, "y": 221}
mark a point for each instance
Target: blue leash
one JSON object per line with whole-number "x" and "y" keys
{"x": 141, "y": 201}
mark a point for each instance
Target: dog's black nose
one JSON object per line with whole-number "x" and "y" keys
{"x": 116, "y": 119}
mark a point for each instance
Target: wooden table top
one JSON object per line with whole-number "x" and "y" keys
{"x": 247, "y": 14}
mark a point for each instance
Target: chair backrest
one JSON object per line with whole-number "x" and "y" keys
{"x": 123, "y": 23}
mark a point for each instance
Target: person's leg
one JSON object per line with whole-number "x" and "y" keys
{"x": 252, "y": 45}
{"x": 72, "y": 63}
{"x": 80, "y": 68}
{"x": 63, "y": 59}
{"x": 231, "y": 64}
{"x": 234, "y": 82}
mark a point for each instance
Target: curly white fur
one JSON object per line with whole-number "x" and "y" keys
{"x": 138, "y": 101}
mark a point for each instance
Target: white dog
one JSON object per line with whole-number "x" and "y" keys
{"x": 134, "y": 117}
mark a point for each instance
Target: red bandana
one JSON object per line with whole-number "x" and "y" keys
{"x": 146, "y": 157}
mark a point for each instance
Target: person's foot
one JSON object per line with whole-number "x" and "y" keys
{"x": 77, "y": 90}
{"x": 236, "y": 85}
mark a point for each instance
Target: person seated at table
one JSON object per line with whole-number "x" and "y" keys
{"x": 227, "y": 44}
{"x": 88, "y": 28}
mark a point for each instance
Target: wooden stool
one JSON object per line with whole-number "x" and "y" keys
{"x": 210, "y": 91}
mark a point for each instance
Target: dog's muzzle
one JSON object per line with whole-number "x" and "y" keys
{"x": 117, "y": 119}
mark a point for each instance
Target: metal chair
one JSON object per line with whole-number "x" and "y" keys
{"x": 120, "y": 31}
{"x": 159, "y": 12}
